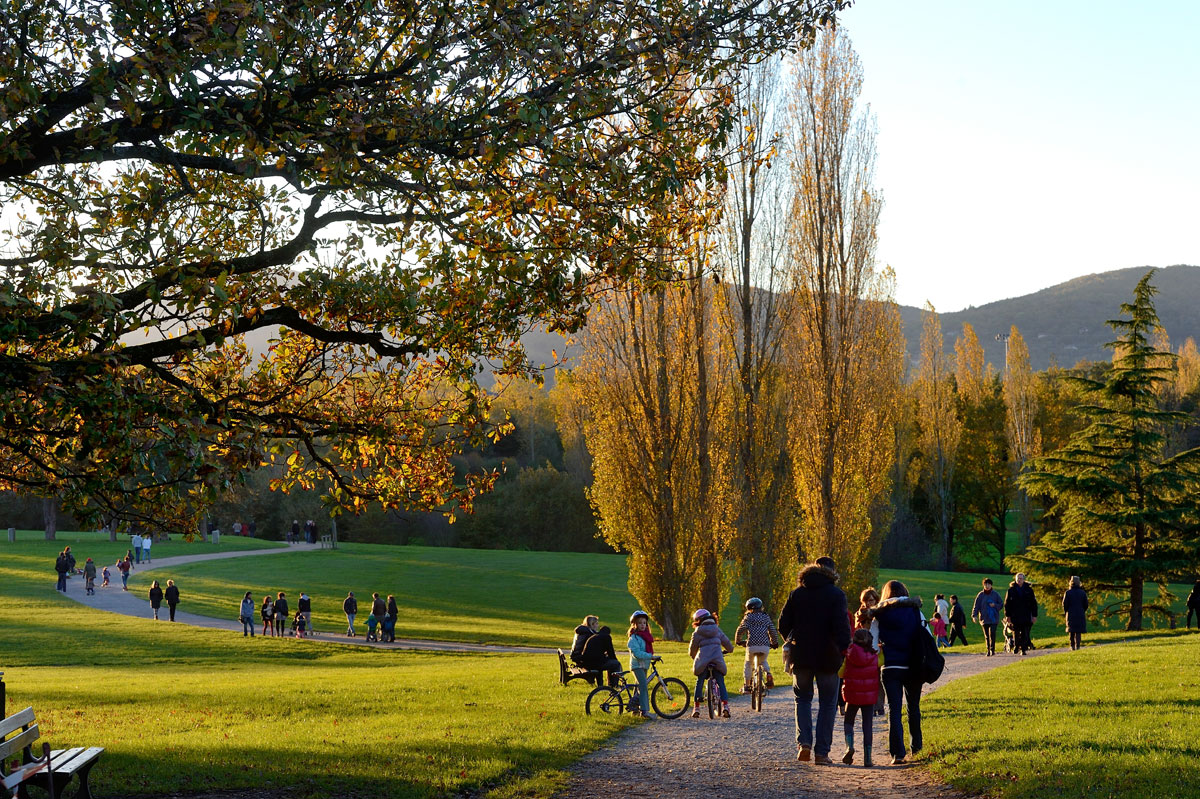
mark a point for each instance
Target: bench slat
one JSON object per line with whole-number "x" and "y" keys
{"x": 14, "y": 745}
{"x": 16, "y": 721}
{"x": 68, "y": 761}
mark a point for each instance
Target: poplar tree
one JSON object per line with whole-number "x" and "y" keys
{"x": 1020, "y": 399}
{"x": 941, "y": 430}
{"x": 1126, "y": 513}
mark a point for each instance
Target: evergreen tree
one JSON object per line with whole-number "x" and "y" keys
{"x": 1126, "y": 513}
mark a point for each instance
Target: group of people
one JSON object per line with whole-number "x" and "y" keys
{"x": 309, "y": 532}
{"x": 277, "y": 616}
{"x": 158, "y": 595}
{"x": 849, "y": 659}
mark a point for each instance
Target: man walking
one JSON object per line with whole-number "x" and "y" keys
{"x": 987, "y": 609}
{"x": 815, "y": 623}
{"x": 1020, "y": 608}
{"x": 958, "y": 620}
{"x": 350, "y": 608}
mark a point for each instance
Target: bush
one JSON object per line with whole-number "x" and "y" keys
{"x": 537, "y": 509}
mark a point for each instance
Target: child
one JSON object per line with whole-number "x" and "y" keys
{"x": 939, "y": 631}
{"x": 267, "y": 613}
{"x": 372, "y": 622}
{"x": 299, "y": 624}
{"x": 105, "y": 575}
{"x": 641, "y": 657}
{"x": 708, "y": 647}
{"x": 860, "y": 689}
{"x": 1010, "y": 637}
{"x": 387, "y": 628}
{"x": 758, "y": 634}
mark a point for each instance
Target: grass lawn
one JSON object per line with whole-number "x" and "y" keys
{"x": 188, "y": 710}
{"x": 1111, "y": 721}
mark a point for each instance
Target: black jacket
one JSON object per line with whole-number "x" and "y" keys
{"x": 1075, "y": 604}
{"x": 814, "y": 620}
{"x": 172, "y": 594}
{"x": 392, "y": 610}
{"x": 899, "y": 619}
{"x": 304, "y": 604}
{"x": 958, "y": 616}
{"x": 156, "y": 596}
{"x": 350, "y": 605}
{"x": 597, "y": 651}
{"x": 379, "y": 607}
{"x": 582, "y": 633}
{"x": 1020, "y": 604}
{"x": 281, "y": 608}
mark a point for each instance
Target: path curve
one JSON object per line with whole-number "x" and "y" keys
{"x": 754, "y": 754}
{"x": 136, "y": 603}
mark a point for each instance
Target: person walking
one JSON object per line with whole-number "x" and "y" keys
{"x": 147, "y": 540}
{"x": 156, "y": 598}
{"x": 123, "y": 566}
{"x": 389, "y": 621}
{"x": 267, "y": 613}
{"x": 815, "y": 623}
{"x": 1020, "y": 608}
{"x": 1074, "y": 605}
{"x": 60, "y": 566}
{"x": 350, "y": 608}
{"x": 1193, "y": 605}
{"x": 860, "y": 690}
{"x": 942, "y": 606}
{"x": 304, "y": 608}
{"x": 246, "y": 614}
{"x": 896, "y": 620}
{"x": 986, "y": 611}
{"x": 280, "y": 611}
{"x": 958, "y": 621}
{"x": 172, "y": 596}
{"x": 294, "y": 535}
{"x": 89, "y": 576}
{"x": 135, "y": 541}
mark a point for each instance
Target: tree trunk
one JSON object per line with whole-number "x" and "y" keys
{"x": 1137, "y": 582}
{"x": 50, "y": 516}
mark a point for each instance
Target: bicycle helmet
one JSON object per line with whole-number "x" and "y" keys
{"x": 753, "y": 603}
{"x": 700, "y": 615}
{"x": 639, "y": 614}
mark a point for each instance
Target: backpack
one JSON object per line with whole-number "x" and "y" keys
{"x": 926, "y": 662}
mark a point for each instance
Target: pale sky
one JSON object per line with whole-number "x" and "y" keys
{"x": 1022, "y": 144}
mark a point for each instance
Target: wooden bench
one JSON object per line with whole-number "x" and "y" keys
{"x": 56, "y": 766}
{"x": 568, "y": 671}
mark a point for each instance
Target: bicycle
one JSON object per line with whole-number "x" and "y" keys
{"x": 668, "y": 695}
{"x": 758, "y": 683}
{"x": 712, "y": 692}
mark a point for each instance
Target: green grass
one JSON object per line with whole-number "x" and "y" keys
{"x": 188, "y": 710}
{"x": 1112, "y": 721}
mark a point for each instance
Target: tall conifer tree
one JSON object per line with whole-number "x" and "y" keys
{"x": 1127, "y": 515}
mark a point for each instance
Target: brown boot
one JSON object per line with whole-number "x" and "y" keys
{"x": 804, "y": 754}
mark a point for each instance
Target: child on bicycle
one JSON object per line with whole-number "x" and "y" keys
{"x": 372, "y": 622}
{"x": 641, "y": 654}
{"x": 860, "y": 689}
{"x": 707, "y": 650}
{"x": 757, "y": 633}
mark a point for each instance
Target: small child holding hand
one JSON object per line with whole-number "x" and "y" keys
{"x": 939, "y": 630}
{"x": 860, "y": 689}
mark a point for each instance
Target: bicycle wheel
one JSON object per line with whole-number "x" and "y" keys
{"x": 713, "y": 696}
{"x": 604, "y": 700}
{"x": 670, "y": 698}
{"x": 757, "y": 689}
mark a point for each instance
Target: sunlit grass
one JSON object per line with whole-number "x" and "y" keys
{"x": 1112, "y": 721}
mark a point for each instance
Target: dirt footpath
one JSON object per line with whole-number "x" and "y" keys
{"x": 754, "y": 755}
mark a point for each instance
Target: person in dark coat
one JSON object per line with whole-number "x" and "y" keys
{"x": 598, "y": 654}
{"x": 390, "y": 619}
{"x": 586, "y": 629}
{"x": 282, "y": 613}
{"x": 1193, "y": 605}
{"x": 1020, "y": 608}
{"x": 1074, "y": 605}
{"x": 60, "y": 566}
{"x": 350, "y": 608}
{"x": 815, "y": 622}
{"x": 895, "y": 622}
{"x": 156, "y": 598}
{"x": 172, "y": 597}
{"x": 958, "y": 621}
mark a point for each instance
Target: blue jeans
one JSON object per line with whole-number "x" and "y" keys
{"x": 137, "y": 555}
{"x": 643, "y": 694}
{"x": 350, "y": 622}
{"x": 720, "y": 684}
{"x": 62, "y": 581}
{"x": 827, "y": 695}
{"x": 898, "y": 687}
{"x": 247, "y": 623}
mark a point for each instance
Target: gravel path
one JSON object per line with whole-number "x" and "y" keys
{"x": 754, "y": 755}
{"x": 135, "y": 602}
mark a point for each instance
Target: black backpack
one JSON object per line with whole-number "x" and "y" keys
{"x": 925, "y": 661}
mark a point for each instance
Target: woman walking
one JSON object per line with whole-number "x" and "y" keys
{"x": 268, "y": 616}
{"x": 156, "y": 598}
{"x": 172, "y": 595}
{"x": 246, "y": 614}
{"x": 281, "y": 614}
{"x": 895, "y": 622}
{"x": 1074, "y": 605}
{"x": 123, "y": 567}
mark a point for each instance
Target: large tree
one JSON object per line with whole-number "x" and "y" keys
{"x": 1021, "y": 407}
{"x": 941, "y": 431}
{"x": 393, "y": 192}
{"x": 846, "y": 349}
{"x": 1126, "y": 512}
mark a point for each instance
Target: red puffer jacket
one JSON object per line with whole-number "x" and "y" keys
{"x": 860, "y": 682}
